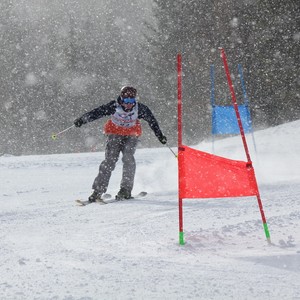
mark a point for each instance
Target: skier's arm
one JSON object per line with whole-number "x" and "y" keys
{"x": 97, "y": 113}
{"x": 146, "y": 114}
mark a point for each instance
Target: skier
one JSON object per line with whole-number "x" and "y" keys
{"x": 123, "y": 130}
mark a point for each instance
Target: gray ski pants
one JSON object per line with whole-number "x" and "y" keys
{"x": 114, "y": 145}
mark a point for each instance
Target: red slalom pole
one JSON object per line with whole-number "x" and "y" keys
{"x": 233, "y": 97}
{"x": 179, "y": 120}
{"x": 249, "y": 164}
{"x": 179, "y": 93}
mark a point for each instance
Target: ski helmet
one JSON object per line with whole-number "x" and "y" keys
{"x": 128, "y": 92}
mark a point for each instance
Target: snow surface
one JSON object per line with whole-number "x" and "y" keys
{"x": 52, "y": 249}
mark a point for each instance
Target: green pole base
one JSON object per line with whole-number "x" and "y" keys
{"x": 181, "y": 238}
{"x": 267, "y": 231}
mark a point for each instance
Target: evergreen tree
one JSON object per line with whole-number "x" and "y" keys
{"x": 270, "y": 33}
{"x": 263, "y": 36}
{"x": 195, "y": 29}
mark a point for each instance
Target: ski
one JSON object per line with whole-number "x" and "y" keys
{"x": 107, "y": 198}
{"x": 137, "y": 196}
{"x": 87, "y": 202}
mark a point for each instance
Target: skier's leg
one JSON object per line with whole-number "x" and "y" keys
{"x": 112, "y": 152}
{"x": 129, "y": 164}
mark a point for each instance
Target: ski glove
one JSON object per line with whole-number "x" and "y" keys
{"x": 163, "y": 139}
{"x": 78, "y": 122}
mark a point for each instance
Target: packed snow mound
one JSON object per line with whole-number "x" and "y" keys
{"x": 274, "y": 151}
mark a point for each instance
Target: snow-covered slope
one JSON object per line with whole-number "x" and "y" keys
{"x": 52, "y": 249}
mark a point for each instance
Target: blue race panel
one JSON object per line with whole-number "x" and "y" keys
{"x": 224, "y": 120}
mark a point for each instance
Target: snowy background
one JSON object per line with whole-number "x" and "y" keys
{"x": 52, "y": 249}
{"x": 62, "y": 58}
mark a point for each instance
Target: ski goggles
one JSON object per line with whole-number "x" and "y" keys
{"x": 129, "y": 100}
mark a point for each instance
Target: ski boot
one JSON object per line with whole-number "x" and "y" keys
{"x": 95, "y": 197}
{"x": 123, "y": 194}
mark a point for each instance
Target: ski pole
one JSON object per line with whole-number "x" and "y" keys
{"x": 54, "y": 135}
{"x": 172, "y": 150}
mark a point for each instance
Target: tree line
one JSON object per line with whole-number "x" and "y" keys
{"x": 61, "y": 60}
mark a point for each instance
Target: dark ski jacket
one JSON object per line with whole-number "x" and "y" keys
{"x": 110, "y": 108}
